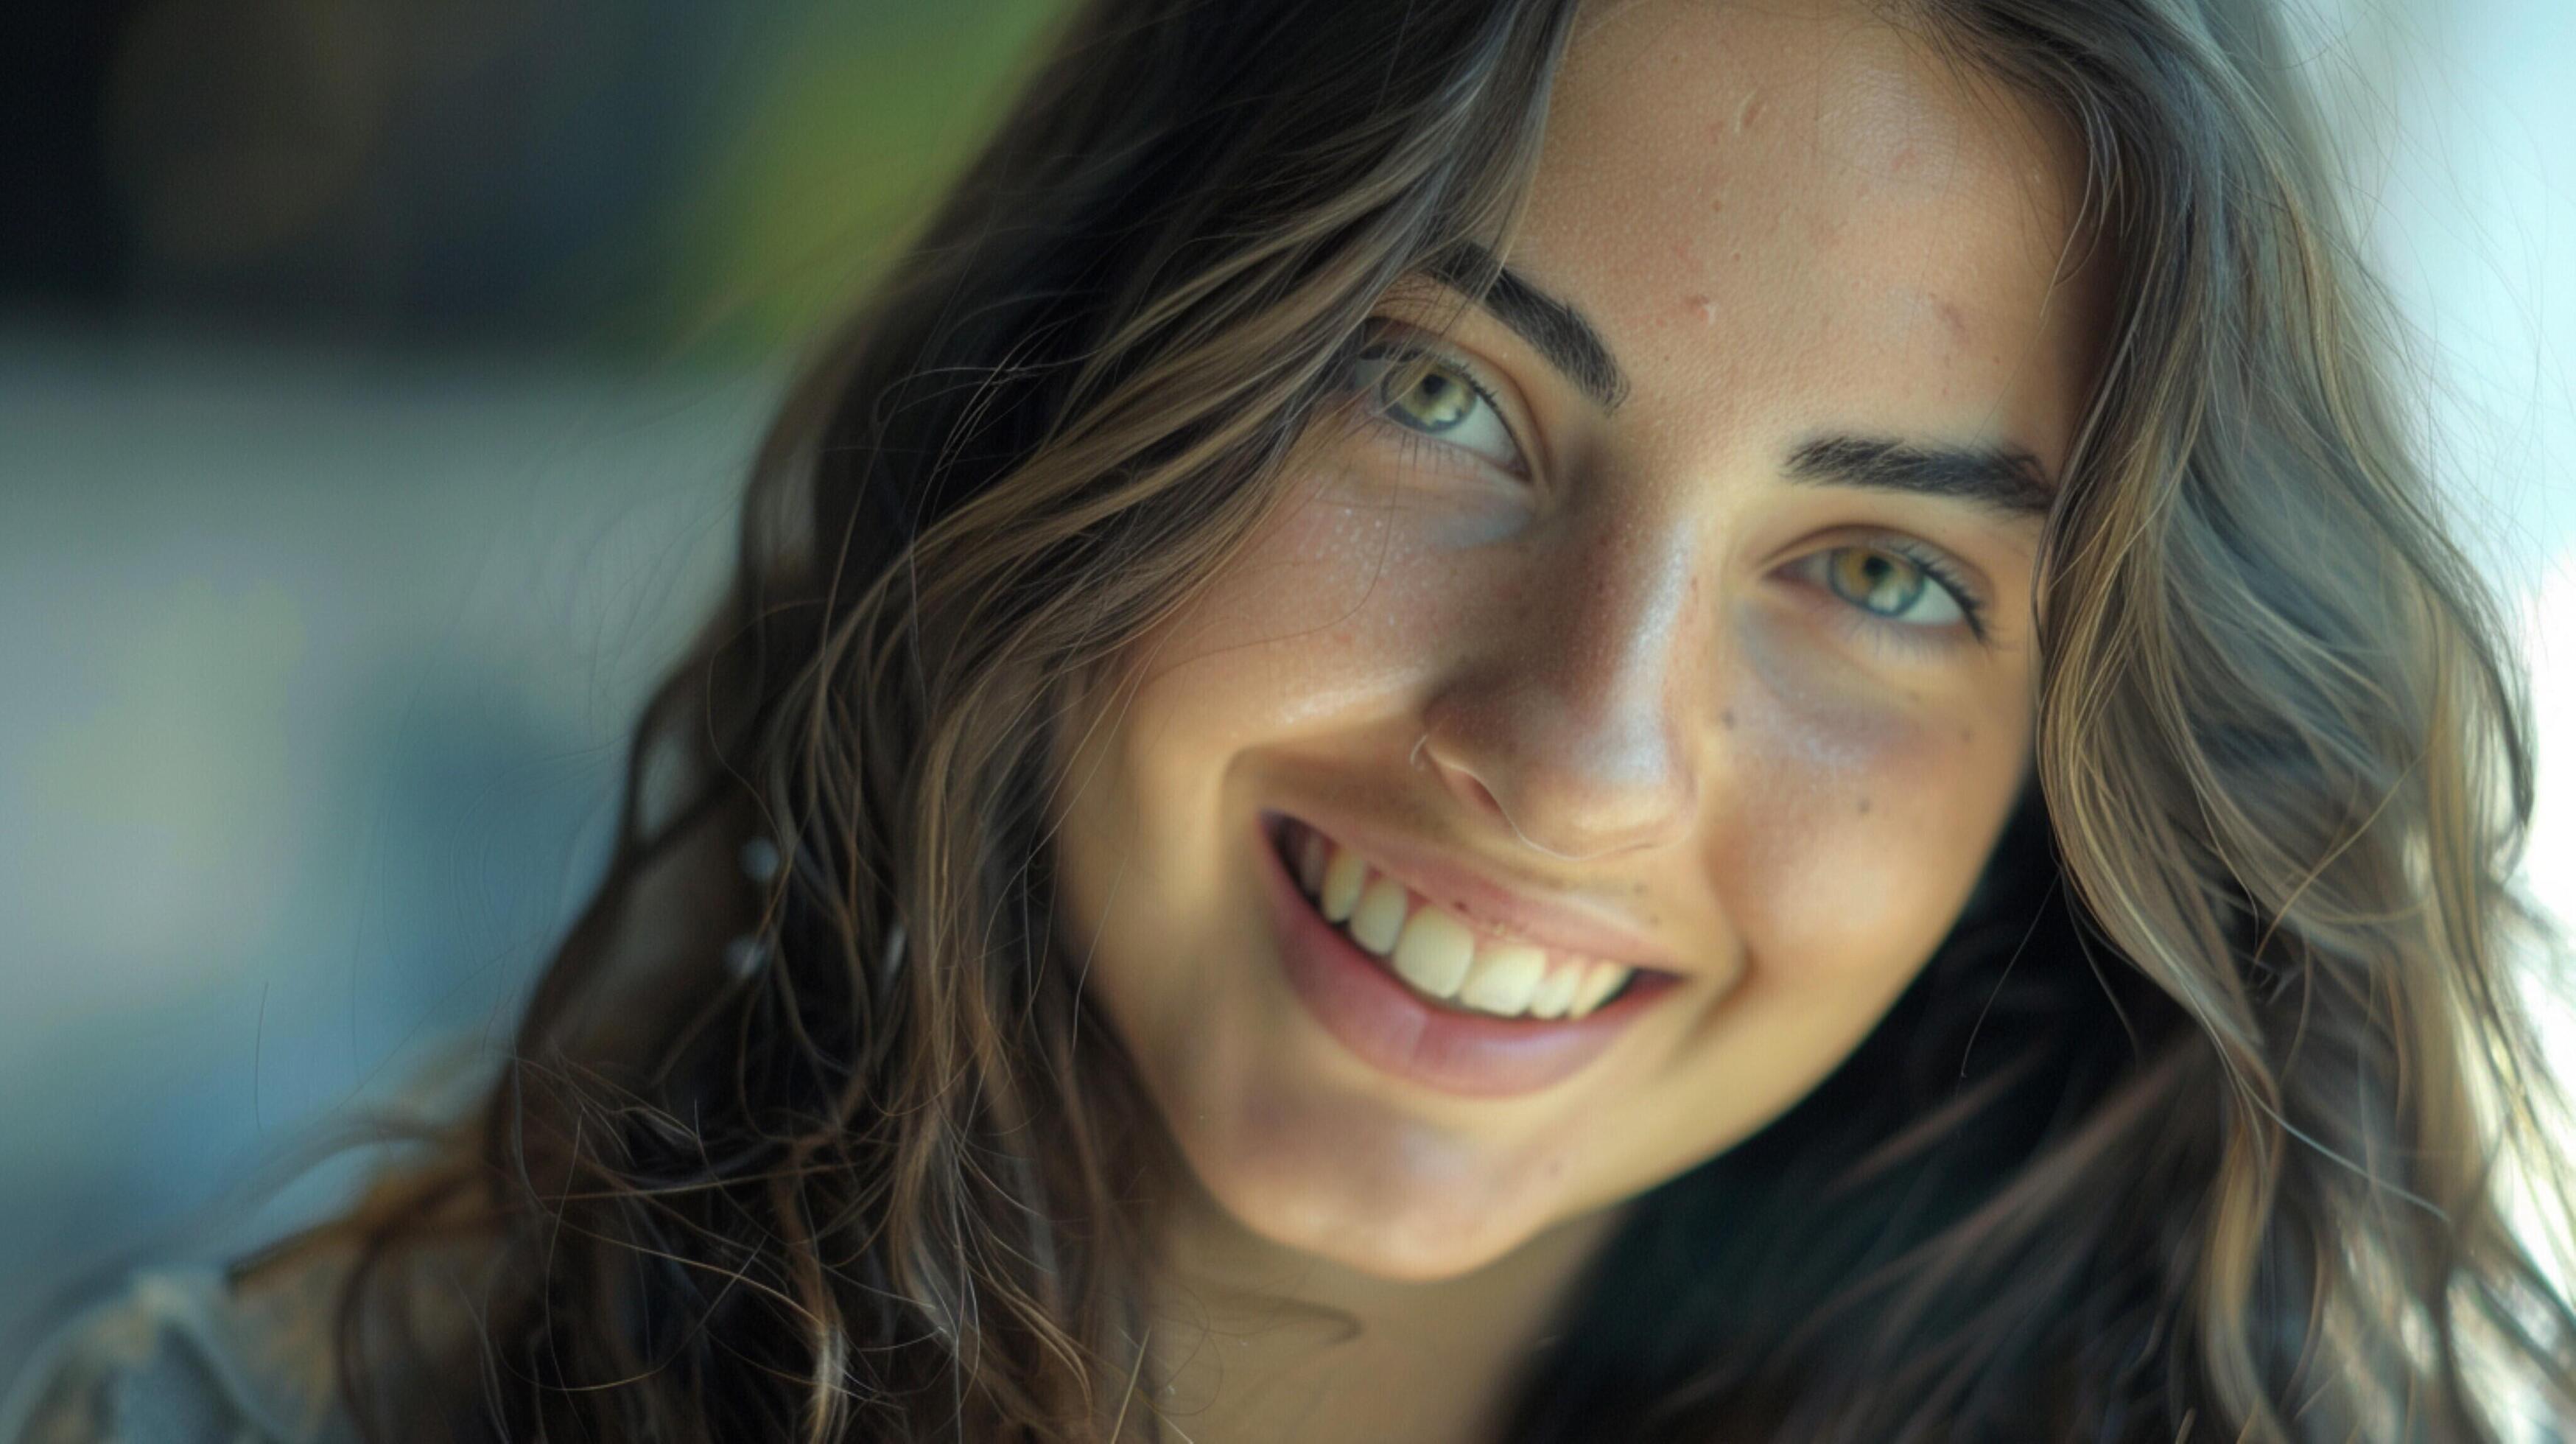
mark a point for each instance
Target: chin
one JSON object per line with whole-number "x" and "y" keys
{"x": 1333, "y": 1171}
{"x": 1398, "y": 1244}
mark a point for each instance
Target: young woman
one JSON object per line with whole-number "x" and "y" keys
{"x": 1489, "y": 720}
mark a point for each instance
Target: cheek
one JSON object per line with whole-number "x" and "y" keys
{"x": 1335, "y": 611}
{"x": 1328, "y": 619}
{"x": 1856, "y": 834}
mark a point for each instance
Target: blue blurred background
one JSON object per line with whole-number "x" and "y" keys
{"x": 376, "y": 377}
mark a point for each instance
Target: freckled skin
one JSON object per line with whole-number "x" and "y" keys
{"x": 1610, "y": 655}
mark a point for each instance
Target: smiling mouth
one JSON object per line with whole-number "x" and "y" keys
{"x": 1438, "y": 955}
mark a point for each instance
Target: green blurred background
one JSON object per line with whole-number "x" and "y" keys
{"x": 620, "y": 177}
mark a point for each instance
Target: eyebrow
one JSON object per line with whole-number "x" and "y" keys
{"x": 1553, "y": 328}
{"x": 2007, "y": 480}
{"x": 2003, "y": 479}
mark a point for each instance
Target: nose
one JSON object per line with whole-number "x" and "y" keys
{"x": 1572, "y": 730}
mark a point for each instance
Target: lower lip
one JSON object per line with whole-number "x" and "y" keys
{"x": 1389, "y": 1026}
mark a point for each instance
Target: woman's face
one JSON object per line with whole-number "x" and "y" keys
{"x": 1676, "y": 621}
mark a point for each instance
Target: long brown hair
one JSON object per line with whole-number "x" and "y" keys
{"x": 2190, "y": 1128}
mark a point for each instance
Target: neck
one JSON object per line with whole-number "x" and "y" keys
{"x": 1260, "y": 1344}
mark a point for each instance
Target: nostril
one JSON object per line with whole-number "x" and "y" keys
{"x": 1459, "y": 780}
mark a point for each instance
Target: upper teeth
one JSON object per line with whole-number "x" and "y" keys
{"x": 1437, "y": 952}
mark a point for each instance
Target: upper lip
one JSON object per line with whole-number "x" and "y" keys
{"x": 1493, "y": 906}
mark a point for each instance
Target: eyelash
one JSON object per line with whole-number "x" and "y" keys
{"x": 1943, "y": 574}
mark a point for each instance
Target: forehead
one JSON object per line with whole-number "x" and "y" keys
{"x": 1785, "y": 215}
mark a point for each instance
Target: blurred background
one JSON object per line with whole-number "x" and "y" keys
{"x": 376, "y": 378}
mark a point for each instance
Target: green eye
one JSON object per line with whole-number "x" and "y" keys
{"x": 1890, "y": 585}
{"x": 1429, "y": 395}
{"x": 1884, "y": 584}
{"x": 1438, "y": 400}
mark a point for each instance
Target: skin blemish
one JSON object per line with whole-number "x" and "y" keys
{"x": 1728, "y": 717}
{"x": 1864, "y": 805}
{"x": 1749, "y": 114}
{"x": 1706, "y": 308}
